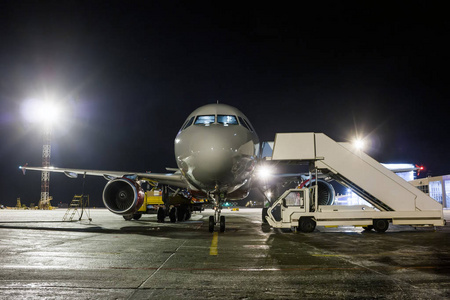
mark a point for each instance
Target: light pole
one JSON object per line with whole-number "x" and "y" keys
{"x": 44, "y": 202}
{"x": 46, "y": 113}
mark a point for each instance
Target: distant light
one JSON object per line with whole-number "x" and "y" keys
{"x": 269, "y": 194}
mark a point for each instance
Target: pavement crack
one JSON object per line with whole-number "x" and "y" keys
{"x": 141, "y": 286}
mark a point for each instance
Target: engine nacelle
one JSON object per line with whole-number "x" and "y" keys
{"x": 123, "y": 196}
{"x": 326, "y": 192}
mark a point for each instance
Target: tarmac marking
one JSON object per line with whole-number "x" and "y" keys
{"x": 213, "y": 248}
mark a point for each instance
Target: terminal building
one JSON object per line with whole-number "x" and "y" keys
{"x": 437, "y": 187}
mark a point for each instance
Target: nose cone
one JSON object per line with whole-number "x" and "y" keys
{"x": 213, "y": 155}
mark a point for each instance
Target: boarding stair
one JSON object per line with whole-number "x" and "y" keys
{"x": 354, "y": 169}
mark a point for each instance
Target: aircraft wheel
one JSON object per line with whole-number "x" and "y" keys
{"x": 211, "y": 223}
{"x": 137, "y": 216}
{"x": 161, "y": 214}
{"x": 222, "y": 223}
{"x": 306, "y": 225}
{"x": 264, "y": 214}
{"x": 368, "y": 227}
{"x": 380, "y": 225}
{"x": 173, "y": 214}
{"x": 128, "y": 217}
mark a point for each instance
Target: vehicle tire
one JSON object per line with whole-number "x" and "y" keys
{"x": 264, "y": 214}
{"x": 306, "y": 225}
{"x": 380, "y": 225}
{"x": 181, "y": 214}
{"x": 222, "y": 223}
{"x": 128, "y": 217}
{"x": 137, "y": 216}
{"x": 368, "y": 227}
{"x": 188, "y": 215}
{"x": 161, "y": 215}
{"x": 211, "y": 223}
{"x": 173, "y": 214}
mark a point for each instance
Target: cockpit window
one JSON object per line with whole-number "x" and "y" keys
{"x": 244, "y": 123}
{"x": 227, "y": 120}
{"x": 188, "y": 123}
{"x": 205, "y": 120}
{"x": 249, "y": 125}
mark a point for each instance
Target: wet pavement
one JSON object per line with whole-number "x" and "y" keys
{"x": 110, "y": 258}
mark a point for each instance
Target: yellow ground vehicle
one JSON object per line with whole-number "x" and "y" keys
{"x": 177, "y": 205}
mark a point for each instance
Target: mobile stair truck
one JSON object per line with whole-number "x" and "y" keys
{"x": 394, "y": 200}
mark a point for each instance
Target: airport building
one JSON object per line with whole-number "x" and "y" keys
{"x": 437, "y": 188}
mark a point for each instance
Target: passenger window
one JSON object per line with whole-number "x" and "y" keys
{"x": 188, "y": 123}
{"x": 243, "y": 123}
{"x": 227, "y": 120}
{"x": 205, "y": 120}
{"x": 295, "y": 199}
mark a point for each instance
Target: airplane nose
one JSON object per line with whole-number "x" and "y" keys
{"x": 215, "y": 155}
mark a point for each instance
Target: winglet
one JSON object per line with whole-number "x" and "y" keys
{"x": 24, "y": 168}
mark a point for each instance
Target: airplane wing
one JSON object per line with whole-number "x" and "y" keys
{"x": 173, "y": 179}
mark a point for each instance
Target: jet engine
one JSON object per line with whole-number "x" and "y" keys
{"x": 326, "y": 192}
{"x": 123, "y": 196}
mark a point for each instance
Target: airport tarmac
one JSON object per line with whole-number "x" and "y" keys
{"x": 110, "y": 258}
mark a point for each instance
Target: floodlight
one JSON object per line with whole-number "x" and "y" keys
{"x": 45, "y": 112}
{"x": 358, "y": 144}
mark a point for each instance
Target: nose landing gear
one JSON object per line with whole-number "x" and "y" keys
{"x": 217, "y": 218}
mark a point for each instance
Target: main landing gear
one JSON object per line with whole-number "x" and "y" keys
{"x": 217, "y": 218}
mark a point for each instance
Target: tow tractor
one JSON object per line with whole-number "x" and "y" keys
{"x": 393, "y": 199}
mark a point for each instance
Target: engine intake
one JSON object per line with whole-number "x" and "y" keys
{"x": 123, "y": 196}
{"x": 326, "y": 192}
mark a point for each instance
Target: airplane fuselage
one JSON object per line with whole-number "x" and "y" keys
{"x": 216, "y": 150}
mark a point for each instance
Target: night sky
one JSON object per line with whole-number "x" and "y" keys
{"x": 129, "y": 74}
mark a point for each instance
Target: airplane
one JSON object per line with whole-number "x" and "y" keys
{"x": 216, "y": 151}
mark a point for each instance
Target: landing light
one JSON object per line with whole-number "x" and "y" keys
{"x": 264, "y": 172}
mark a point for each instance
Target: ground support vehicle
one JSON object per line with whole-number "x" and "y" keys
{"x": 296, "y": 209}
{"x": 393, "y": 199}
{"x": 176, "y": 206}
